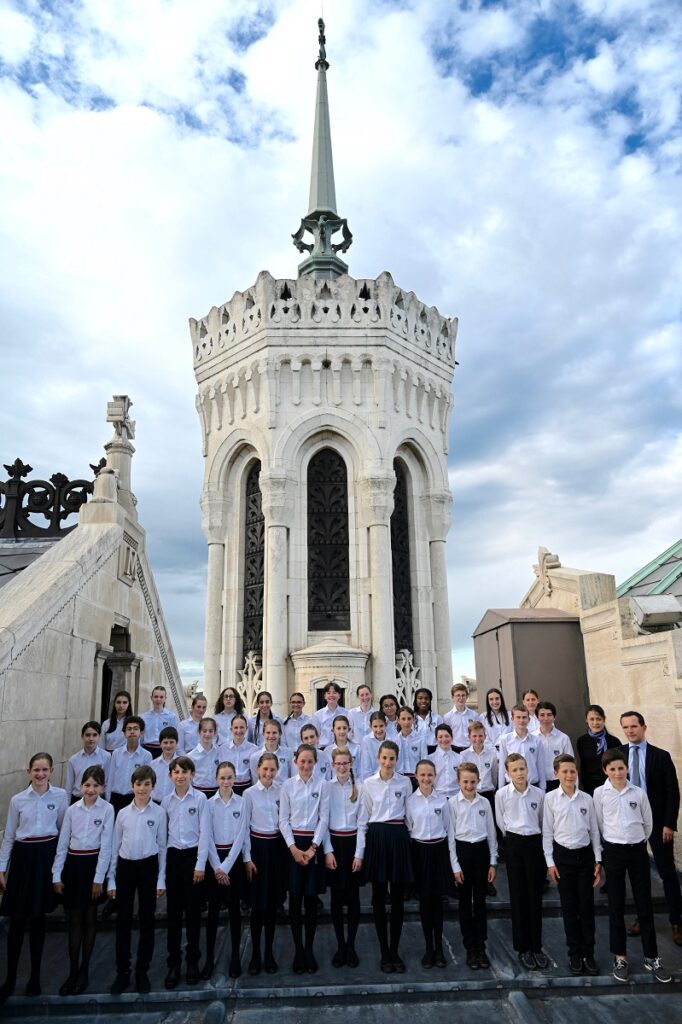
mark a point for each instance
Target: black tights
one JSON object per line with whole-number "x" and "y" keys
{"x": 235, "y": 914}
{"x": 15, "y": 940}
{"x": 82, "y": 927}
{"x": 297, "y": 919}
{"x": 340, "y": 897}
{"x": 431, "y": 914}
{"x": 379, "y": 893}
{"x": 261, "y": 920}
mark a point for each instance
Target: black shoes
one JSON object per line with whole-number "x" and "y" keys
{"x": 208, "y": 969}
{"x": 68, "y": 988}
{"x": 428, "y": 959}
{"x": 310, "y": 962}
{"x": 119, "y": 984}
{"x": 33, "y": 987}
{"x": 483, "y": 961}
{"x": 6, "y": 991}
{"x": 472, "y": 959}
{"x": 192, "y": 976}
{"x": 142, "y": 983}
{"x": 398, "y": 964}
{"x": 269, "y": 963}
{"x": 527, "y": 961}
{"x": 590, "y": 966}
{"x": 439, "y": 956}
{"x": 352, "y": 959}
{"x": 299, "y": 964}
{"x": 339, "y": 958}
{"x": 254, "y": 965}
{"x": 575, "y": 964}
{"x": 235, "y": 970}
{"x": 541, "y": 960}
{"x": 172, "y": 978}
{"x": 386, "y": 963}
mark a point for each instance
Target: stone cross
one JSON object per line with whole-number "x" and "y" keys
{"x": 117, "y": 413}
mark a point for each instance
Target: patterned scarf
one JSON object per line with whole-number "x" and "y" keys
{"x": 600, "y": 737}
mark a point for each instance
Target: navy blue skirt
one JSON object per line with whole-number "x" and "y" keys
{"x": 308, "y": 880}
{"x": 388, "y": 856}
{"x": 78, "y": 875}
{"x": 268, "y": 887}
{"x": 343, "y": 877}
{"x": 433, "y": 874}
{"x": 226, "y": 895}
{"x": 29, "y": 892}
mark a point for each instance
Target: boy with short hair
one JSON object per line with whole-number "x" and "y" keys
{"x": 91, "y": 754}
{"x": 185, "y": 866}
{"x": 138, "y": 865}
{"x": 474, "y": 863}
{"x": 156, "y": 719}
{"x": 625, "y": 822}
{"x": 169, "y": 739}
{"x": 124, "y": 760}
{"x": 519, "y": 741}
{"x": 572, "y": 846}
{"x": 483, "y": 754}
{"x": 518, "y": 807}
{"x": 551, "y": 743}
{"x": 459, "y": 717}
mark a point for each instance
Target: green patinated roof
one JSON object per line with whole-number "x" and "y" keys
{"x": 662, "y": 576}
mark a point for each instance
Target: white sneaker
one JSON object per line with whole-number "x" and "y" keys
{"x": 656, "y": 968}
{"x": 620, "y": 969}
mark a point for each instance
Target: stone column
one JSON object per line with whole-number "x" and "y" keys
{"x": 438, "y": 507}
{"x": 277, "y": 499}
{"x": 375, "y": 489}
{"x": 215, "y": 510}
{"x": 120, "y": 450}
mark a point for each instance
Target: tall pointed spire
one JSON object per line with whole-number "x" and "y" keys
{"x": 322, "y": 220}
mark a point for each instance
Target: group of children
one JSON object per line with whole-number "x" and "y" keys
{"x": 223, "y": 809}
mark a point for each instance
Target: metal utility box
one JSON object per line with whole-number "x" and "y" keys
{"x": 534, "y": 648}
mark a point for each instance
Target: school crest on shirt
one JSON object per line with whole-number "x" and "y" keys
{"x": 531, "y": 750}
{"x": 51, "y": 807}
{"x": 633, "y": 804}
{"x": 534, "y": 805}
{"x": 236, "y": 814}
{"x": 150, "y": 822}
{"x": 315, "y": 796}
{"x": 486, "y": 764}
{"x": 216, "y": 762}
{"x": 276, "y": 803}
{"x": 192, "y": 810}
{"x": 482, "y": 812}
{"x": 436, "y": 810}
{"x": 556, "y": 753}
{"x": 98, "y": 821}
{"x": 583, "y": 811}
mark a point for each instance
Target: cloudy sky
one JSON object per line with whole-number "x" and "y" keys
{"x": 515, "y": 162}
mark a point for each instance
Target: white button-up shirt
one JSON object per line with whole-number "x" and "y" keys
{"x": 323, "y": 765}
{"x": 291, "y": 730}
{"x": 256, "y": 727}
{"x": 205, "y": 766}
{"x": 495, "y": 727}
{"x": 549, "y": 747}
{"x": 77, "y": 764}
{"x": 224, "y": 722}
{"x": 284, "y": 759}
{"x": 428, "y": 817}
{"x": 140, "y": 833}
{"x": 324, "y": 719}
{"x": 427, "y": 726}
{"x": 240, "y": 757}
{"x": 123, "y": 764}
{"x": 32, "y": 815}
{"x": 359, "y": 722}
{"x": 472, "y": 822}
{"x": 624, "y": 815}
{"x": 110, "y": 740}
{"x": 261, "y": 804}
{"x": 570, "y": 821}
{"x": 527, "y": 746}
{"x": 520, "y": 813}
{"x": 447, "y": 763}
{"x": 486, "y": 762}
{"x": 86, "y": 828}
{"x": 154, "y": 723}
{"x": 412, "y": 748}
{"x": 459, "y": 723}
{"x": 227, "y": 822}
{"x": 369, "y": 756}
{"x": 304, "y": 807}
{"x": 381, "y": 800}
{"x": 342, "y": 811}
{"x": 164, "y": 784}
{"x": 188, "y": 823}
{"x": 188, "y": 735}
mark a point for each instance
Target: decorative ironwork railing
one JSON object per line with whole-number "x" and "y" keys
{"x": 24, "y": 502}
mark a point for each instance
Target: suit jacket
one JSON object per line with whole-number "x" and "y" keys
{"x": 662, "y": 786}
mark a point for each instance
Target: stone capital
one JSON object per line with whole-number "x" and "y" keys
{"x": 375, "y": 493}
{"x": 277, "y": 496}
{"x": 215, "y": 512}
{"x": 437, "y": 507}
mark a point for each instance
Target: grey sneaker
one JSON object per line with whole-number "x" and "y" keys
{"x": 655, "y": 967}
{"x": 620, "y": 969}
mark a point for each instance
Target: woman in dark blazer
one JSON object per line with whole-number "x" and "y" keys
{"x": 590, "y": 747}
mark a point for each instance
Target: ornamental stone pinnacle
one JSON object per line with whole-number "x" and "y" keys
{"x": 322, "y": 220}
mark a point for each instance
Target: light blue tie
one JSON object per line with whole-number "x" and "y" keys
{"x": 634, "y": 767}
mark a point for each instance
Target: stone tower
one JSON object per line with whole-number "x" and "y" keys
{"x": 324, "y": 404}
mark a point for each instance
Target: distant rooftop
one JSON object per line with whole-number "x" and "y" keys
{"x": 661, "y": 576}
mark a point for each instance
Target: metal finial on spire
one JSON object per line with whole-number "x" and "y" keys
{"x": 322, "y": 220}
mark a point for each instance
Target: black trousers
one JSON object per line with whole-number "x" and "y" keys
{"x": 664, "y": 859}
{"x": 631, "y": 859}
{"x": 576, "y": 878}
{"x": 183, "y": 899}
{"x": 526, "y": 872}
{"x": 135, "y": 876}
{"x": 474, "y": 860}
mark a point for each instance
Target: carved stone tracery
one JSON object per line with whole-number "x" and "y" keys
{"x": 328, "y": 566}
{"x": 254, "y": 565}
{"x": 400, "y": 558}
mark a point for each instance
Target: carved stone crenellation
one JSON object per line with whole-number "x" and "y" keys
{"x": 308, "y": 302}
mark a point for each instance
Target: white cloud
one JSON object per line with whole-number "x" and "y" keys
{"x": 16, "y": 35}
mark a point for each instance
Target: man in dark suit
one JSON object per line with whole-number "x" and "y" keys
{"x": 653, "y": 770}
